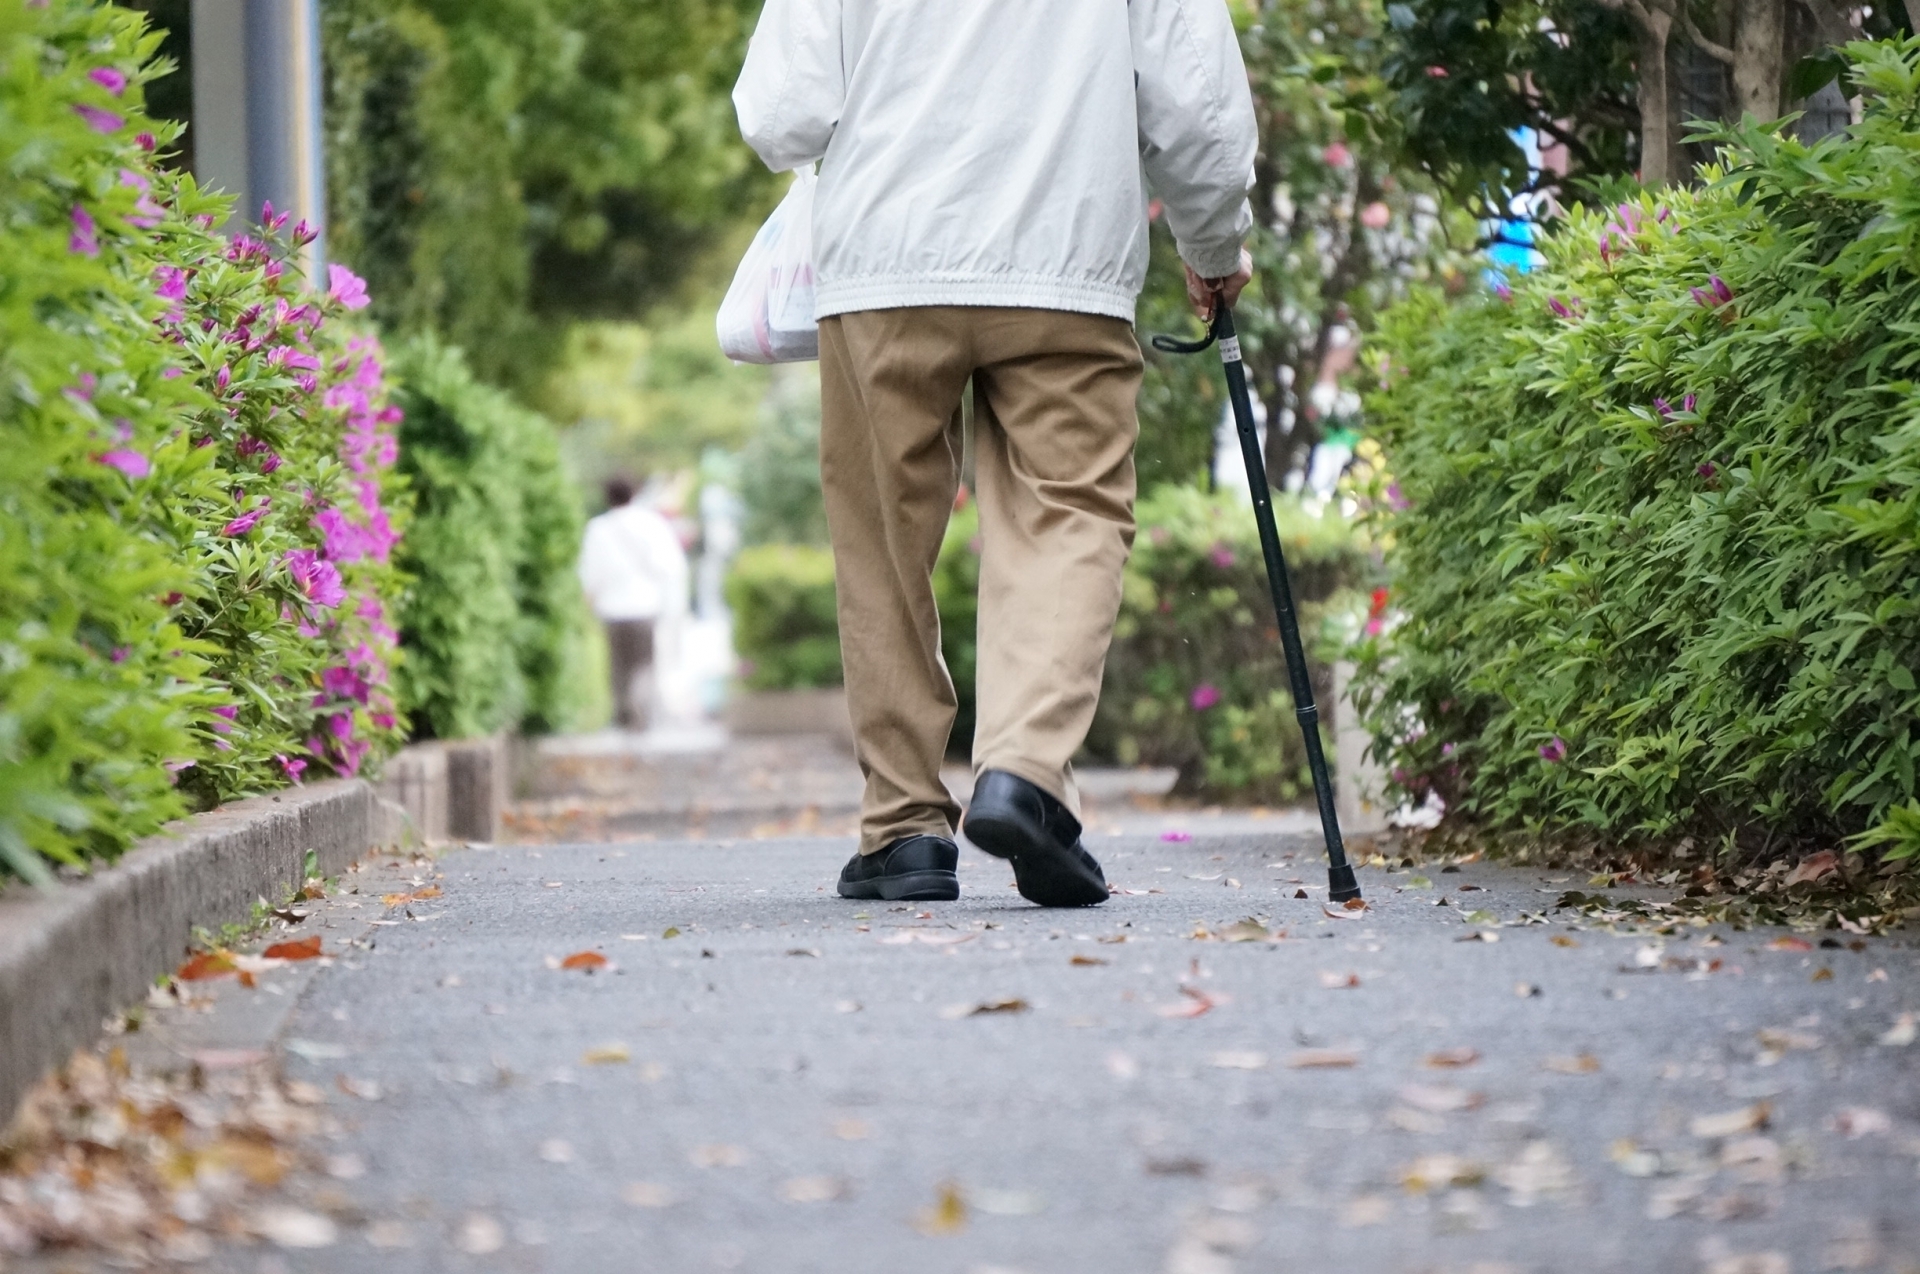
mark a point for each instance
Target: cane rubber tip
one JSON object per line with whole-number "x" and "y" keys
{"x": 1341, "y": 884}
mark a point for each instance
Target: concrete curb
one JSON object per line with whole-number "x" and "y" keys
{"x": 70, "y": 959}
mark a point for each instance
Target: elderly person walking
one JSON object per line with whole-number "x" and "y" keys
{"x": 634, "y": 572}
{"x": 981, "y": 218}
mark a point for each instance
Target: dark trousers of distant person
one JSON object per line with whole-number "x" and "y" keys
{"x": 630, "y": 651}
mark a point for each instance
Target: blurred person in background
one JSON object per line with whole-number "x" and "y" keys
{"x": 634, "y": 570}
{"x": 981, "y": 219}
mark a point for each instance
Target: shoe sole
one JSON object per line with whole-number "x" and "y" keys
{"x": 915, "y": 886}
{"x": 1045, "y": 873}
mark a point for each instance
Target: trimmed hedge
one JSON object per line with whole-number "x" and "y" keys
{"x": 194, "y": 550}
{"x": 494, "y": 622}
{"x": 1659, "y": 555}
{"x": 784, "y": 626}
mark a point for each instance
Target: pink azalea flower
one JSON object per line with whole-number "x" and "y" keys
{"x": 1555, "y": 751}
{"x": 1221, "y": 556}
{"x": 131, "y": 463}
{"x": 226, "y": 712}
{"x": 170, "y": 283}
{"x": 292, "y": 765}
{"x": 1706, "y": 469}
{"x": 1336, "y": 155}
{"x": 109, "y": 79}
{"x": 1376, "y": 215}
{"x": 145, "y": 141}
{"x": 346, "y": 287}
{"x": 246, "y": 521}
{"x": 1177, "y": 838}
{"x": 1204, "y": 696}
{"x": 101, "y": 121}
{"x": 1502, "y": 291}
{"x": 86, "y": 234}
{"x": 344, "y": 683}
{"x": 318, "y": 578}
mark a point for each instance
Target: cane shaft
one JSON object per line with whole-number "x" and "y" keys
{"x": 1341, "y": 882}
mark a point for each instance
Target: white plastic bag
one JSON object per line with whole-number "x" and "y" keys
{"x": 767, "y": 316}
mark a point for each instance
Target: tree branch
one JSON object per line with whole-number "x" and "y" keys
{"x": 1831, "y": 20}
{"x": 1677, "y": 9}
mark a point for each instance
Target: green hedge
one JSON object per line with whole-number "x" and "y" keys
{"x": 1195, "y": 677}
{"x": 194, "y": 549}
{"x": 1659, "y": 555}
{"x": 784, "y": 628}
{"x": 494, "y": 622}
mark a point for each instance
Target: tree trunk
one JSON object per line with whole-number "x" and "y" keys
{"x": 1759, "y": 56}
{"x": 1913, "y": 14}
{"x": 1656, "y": 122}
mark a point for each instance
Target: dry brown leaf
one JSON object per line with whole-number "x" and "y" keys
{"x": 1197, "y": 1003}
{"x": 306, "y": 948}
{"x": 1779, "y": 1039}
{"x": 1086, "y": 961}
{"x": 1441, "y": 1099}
{"x": 1813, "y": 867}
{"x": 607, "y": 1055}
{"x": 1112, "y": 937}
{"x": 983, "y": 1008}
{"x": 1453, "y": 1058}
{"x": 1248, "y": 930}
{"x": 948, "y": 1215}
{"x": 1322, "y": 1059}
{"x": 1578, "y": 1064}
{"x": 588, "y": 960}
{"x": 1821, "y": 974}
{"x": 1562, "y": 940}
{"x": 1789, "y": 943}
{"x": 1338, "y": 981}
{"x": 1351, "y": 909}
{"x": 1440, "y": 1172}
{"x": 1732, "y": 1123}
{"x": 204, "y": 965}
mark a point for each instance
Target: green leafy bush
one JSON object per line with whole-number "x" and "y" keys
{"x": 1659, "y": 549}
{"x": 784, "y": 625}
{"x": 1195, "y": 677}
{"x": 193, "y": 545}
{"x": 491, "y": 626}
{"x": 956, "y": 591}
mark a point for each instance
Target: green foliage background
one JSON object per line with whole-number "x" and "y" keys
{"x": 1715, "y": 609}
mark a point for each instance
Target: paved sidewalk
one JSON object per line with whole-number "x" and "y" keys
{"x": 769, "y": 1078}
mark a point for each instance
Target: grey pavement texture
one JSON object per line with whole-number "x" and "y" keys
{"x": 802, "y": 1083}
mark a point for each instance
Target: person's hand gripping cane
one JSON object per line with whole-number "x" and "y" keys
{"x": 1201, "y": 293}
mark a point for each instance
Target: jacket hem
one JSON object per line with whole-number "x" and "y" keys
{"x": 1025, "y": 292}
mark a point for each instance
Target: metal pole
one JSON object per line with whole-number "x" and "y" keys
{"x": 1341, "y": 884}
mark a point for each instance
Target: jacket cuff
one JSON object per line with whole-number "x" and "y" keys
{"x": 1212, "y": 262}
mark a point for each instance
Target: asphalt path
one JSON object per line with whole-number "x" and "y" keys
{"x": 1209, "y": 1074}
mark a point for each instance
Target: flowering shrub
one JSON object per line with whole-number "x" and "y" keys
{"x": 493, "y": 623}
{"x": 194, "y": 554}
{"x": 1660, "y": 572}
{"x": 1195, "y": 677}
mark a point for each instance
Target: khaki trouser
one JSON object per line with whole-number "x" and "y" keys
{"x": 1054, "y": 429}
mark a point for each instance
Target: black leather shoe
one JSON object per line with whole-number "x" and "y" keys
{"x": 912, "y": 869}
{"x": 1010, "y": 818}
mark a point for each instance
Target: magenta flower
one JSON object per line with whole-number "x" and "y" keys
{"x": 1555, "y": 751}
{"x": 346, "y": 287}
{"x": 1561, "y": 308}
{"x": 1177, "y": 838}
{"x": 1204, "y": 696}
{"x": 269, "y": 219}
{"x": 1721, "y": 291}
{"x": 145, "y": 141}
{"x": 1662, "y": 408}
{"x": 101, "y": 121}
{"x": 86, "y": 234}
{"x": 1222, "y": 556}
{"x": 109, "y": 79}
{"x": 131, "y": 463}
{"x": 170, "y": 283}
{"x": 223, "y": 378}
{"x": 1686, "y": 404}
{"x": 292, "y": 765}
{"x": 226, "y": 712}
{"x": 121, "y": 654}
{"x": 344, "y": 683}
{"x": 1706, "y": 470}
{"x": 318, "y": 578}
{"x": 246, "y": 521}
{"x": 1501, "y": 290}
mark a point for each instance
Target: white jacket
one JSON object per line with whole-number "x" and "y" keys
{"x": 632, "y": 565}
{"x": 1000, "y": 152}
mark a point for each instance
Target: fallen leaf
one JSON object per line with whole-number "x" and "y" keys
{"x": 1578, "y": 1064}
{"x": 1821, "y": 974}
{"x": 1732, "y": 1123}
{"x": 1008, "y": 1203}
{"x": 1562, "y": 940}
{"x": 1634, "y": 1159}
{"x": 804, "y": 951}
{"x": 812, "y": 1189}
{"x": 1248, "y": 930}
{"x": 647, "y": 1194}
{"x": 1217, "y": 875}
{"x": 1780, "y": 1040}
{"x": 1176, "y": 1166}
{"x": 417, "y": 895}
{"x": 717, "y": 1155}
{"x": 948, "y": 1215}
{"x": 1480, "y": 935}
{"x": 846, "y": 1006}
{"x": 1322, "y": 1059}
{"x": 1112, "y": 938}
{"x": 479, "y": 1235}
{"x": 555, "y": 1150}
{"x": 1196, "y": 1003}
{"x": 1539, "y": 1170}
{"x": 305, "y": 949}
{"x": 1527, "y": 990}
{"x": 983, "y": 1008}
{"x": 1338, "y": 981}
{"x": 1905, "y": 1029}
{"x": 1481, "y": 918}
{"x": 1086, "y": 961}
{"x": 588, "y": 960}
{"x": 1789, "y": 943}
{"x": 292, "y": 1227}
{"x": 1239, "y": 1061}
{"x": 364, "y": 1089}
{"x": 1439, "y": 1172}
{"x": 1813, "y": 867}
{"x": 1749, "y": 1263}
{"x": 607, "y": 1055}
{"x": 204, "y": 965}
{"x": 1346, "y": 910}
{"x": 1441, "y": 1099}
{"x": 1453, "y": 1058}
{"x": 671, "y": 931}
{"x": 1861, "y": 1121}
{"x": 933, "y": 939}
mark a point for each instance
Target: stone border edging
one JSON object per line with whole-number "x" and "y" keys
{"x": 71, "y": 958}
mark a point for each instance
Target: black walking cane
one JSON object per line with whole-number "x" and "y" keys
{"x": 1341, "y": 884}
